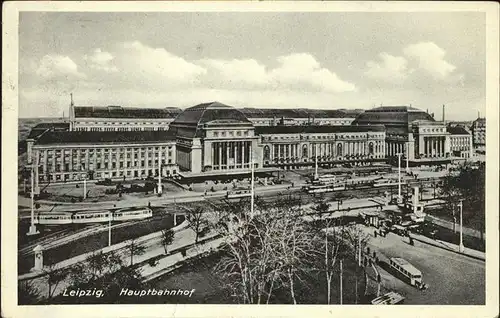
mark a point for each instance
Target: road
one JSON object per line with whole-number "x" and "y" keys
{"x": 453, "y": 279}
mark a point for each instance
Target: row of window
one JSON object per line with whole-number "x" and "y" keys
{"x": 441, "y": 130}
{"x": 238, "y": 133}
{"x": 120, "y": 128}
{"x": 99, "y": 165}
{"x": 103, "y": 150}
{"x": 114, "y": 156}
{"x": 325, "y": 137}
{"x": 121, "y": 123}
{"x": 305, "y": 150}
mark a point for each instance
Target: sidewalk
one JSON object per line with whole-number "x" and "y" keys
{"x": 80, "y": 258}
{"x": 450, "y": 246}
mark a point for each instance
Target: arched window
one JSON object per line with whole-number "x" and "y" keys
{"x": 339, "y": 150}
{"x": 267, "y": 152}
{"x": 304, "y": 151}
{"x": 370, "y": 148}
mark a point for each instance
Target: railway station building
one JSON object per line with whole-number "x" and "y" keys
{"x": 77, "y": 155}
{"x": 213, "y": 140}
{"x": 417, "y": 135}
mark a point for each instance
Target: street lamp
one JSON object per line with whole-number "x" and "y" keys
{"x": 407, "y": 157}
{"x": 461, "y": 247}
{"x": 399, "y": 177}
{"x": 85, "y": 187}
{"x": 32, "y": 229}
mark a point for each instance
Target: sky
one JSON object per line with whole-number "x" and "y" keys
{"x": 323, "y": 60}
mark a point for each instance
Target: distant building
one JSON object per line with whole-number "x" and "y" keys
{"x": 479, "y": 134}
{"x": 118, "y": 118}
{"x": 410, "y": 131}
{"x": 460, "y": 142}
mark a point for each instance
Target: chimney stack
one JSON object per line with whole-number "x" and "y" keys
{"x": 443, "y": 113}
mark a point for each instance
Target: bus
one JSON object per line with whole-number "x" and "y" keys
{"x": 407, "y": 270}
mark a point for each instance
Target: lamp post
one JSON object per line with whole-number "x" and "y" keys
{"x": 109, "y": 228}
{"x": 399, "y": 177}
{"x": 32, "y": 229}
{"x": 461, "y": 245}
{"x": 85, "y": 187}
{"x": 251, "y": 186}
{"x": 407, "y": 157}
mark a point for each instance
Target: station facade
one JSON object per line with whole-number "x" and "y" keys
{"x": 213, "y": 139}
{"x": 77, "y": 155}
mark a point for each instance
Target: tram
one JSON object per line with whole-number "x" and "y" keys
{"x": 385, "y": 182}
{"x": 97, "y": 216}
{"x": 325, "y": 188}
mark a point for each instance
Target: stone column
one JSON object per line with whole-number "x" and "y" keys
{"x": 38, "y": 251}
{"x": 45, "y": 152}
{"x": 243, "y": 149}
{"x": 219, "y": 150}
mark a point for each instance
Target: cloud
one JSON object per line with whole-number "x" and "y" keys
{"x": 101, "y": 60}
{"x": 430, "y": 58}
{"x": 144, "y": 63}
{"x": 237, "y": 71}
{"x": 295, "y": 71}
{"x": 303, "y": 69}
{"x": 53, "y": 66}
{"x": 390, "y": 68}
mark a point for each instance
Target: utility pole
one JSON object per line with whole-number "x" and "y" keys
{"x": 159, "y": 177}
{"x": 316, "y": 177}
{"x": 341, "y": 291}
{"x": 407, "y": 157}
{"x": 32, "y": 229}
{"x": 461, "y": 247}
{"x": 84, "y": 188}
{"x": 399, "y": 177}
{"x": 251, "y": 186}
{"x": 109, "y": 227}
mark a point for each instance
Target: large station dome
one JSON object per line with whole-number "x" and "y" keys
{"x": 192, "y": 119}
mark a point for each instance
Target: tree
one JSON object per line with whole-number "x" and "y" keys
{"x": 265, "y": 252}
{"x": 95, "y": 267}
{"x": 53, "y": 277}
{"x": 27, "y": 294}
{"x": 134, "y": 249}
{"x": 167, "y": 237}
{"x": 331, "y": 252}
{"x": 468, "y": 184}
{"x": 196, "y": 221}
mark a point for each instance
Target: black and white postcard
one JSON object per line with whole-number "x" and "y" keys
{"x": 179, "y": 159}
